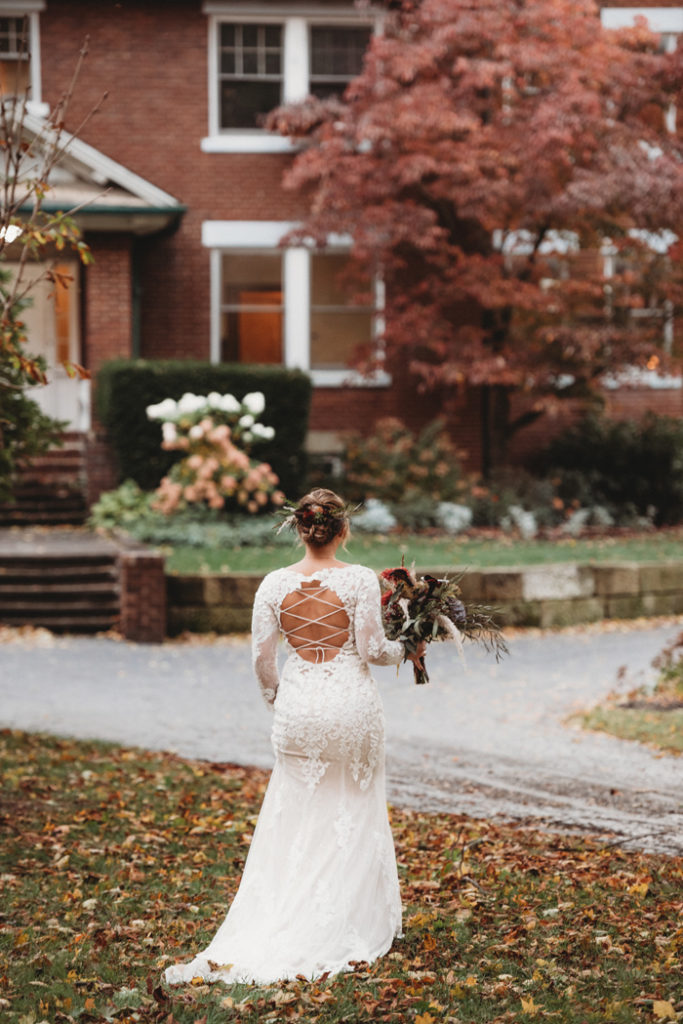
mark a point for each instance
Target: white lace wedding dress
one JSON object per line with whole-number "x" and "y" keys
{"x": 320, "y": 886}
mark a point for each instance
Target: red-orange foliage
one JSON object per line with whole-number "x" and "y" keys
{"x": 483, "y": 157}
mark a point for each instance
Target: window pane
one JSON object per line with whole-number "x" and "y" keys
{"x": 14, "y": 77}
{"x": 338, "y": 51}
{"x": 228, "y": 35}
{"x": 250, "y": 62}
{"x": 250, "y": 271}
{"x": 337, "y": 337}
{"x": 251, "y": 337}
{"x": 228, "y": 62}
{"x": 328, "y": 287}
{"x": 251, "y": 315}
{"x": 273, "y": 63}
{"x": 273, "y": 36}
{"x": 244, "y": 104}
{"x": 250, "y": 35}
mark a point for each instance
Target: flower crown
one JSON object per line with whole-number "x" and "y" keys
{"x": 312, "y": 515}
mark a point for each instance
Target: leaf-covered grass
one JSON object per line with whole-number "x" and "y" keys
{"x": 652, "y": 715}
{"x": 440, "y": 552}
{"x": 663, "y": 729}
{"x": 117, "y": 862}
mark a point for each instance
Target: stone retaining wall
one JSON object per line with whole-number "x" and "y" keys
{"x": 544, "y": 595}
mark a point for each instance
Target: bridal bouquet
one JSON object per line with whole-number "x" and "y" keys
{"x": 416, "y": 608}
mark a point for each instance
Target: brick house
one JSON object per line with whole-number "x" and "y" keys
{"x": 187, "y": 208}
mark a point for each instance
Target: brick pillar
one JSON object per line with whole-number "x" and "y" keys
{"x": 101, "y": 470}
{"x": 108, "y": 301}
{"x": 143, "y": 596}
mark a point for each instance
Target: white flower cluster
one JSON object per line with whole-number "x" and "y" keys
{"x": 243, "y": 415}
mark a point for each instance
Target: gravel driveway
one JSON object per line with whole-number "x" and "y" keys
{"x": 488, "y": 739}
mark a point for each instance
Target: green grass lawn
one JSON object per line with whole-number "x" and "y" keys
{"x": 441, "y": 552}
{"x": 115, "y": 863}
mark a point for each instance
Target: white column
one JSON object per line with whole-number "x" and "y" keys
{"x": 297, "y": 297}
{"x": 296, "y": 60}
{"x": 215, "y": 257}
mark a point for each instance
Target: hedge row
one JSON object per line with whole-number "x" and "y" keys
{"x": 125, "y": 388}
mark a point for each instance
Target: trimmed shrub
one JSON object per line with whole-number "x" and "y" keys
{"x": 397, "y": 466}
{"x": 634, "y": 469}
{"x": 126, "y": 387}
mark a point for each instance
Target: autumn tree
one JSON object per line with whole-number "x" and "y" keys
{"x": 509, "y": 167}
{"x": 30, "y": 238}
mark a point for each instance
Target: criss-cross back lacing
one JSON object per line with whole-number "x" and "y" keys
{"x": 310, "y": 610}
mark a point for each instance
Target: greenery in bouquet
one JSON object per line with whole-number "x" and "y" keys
{"x": 215, "y": 432}
{"x": 425, "y": 608}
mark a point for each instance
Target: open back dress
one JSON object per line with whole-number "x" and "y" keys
{"x": 320, "y": 886}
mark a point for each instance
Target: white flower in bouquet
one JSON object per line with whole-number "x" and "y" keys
{"x": 246, "y": 421}
{"x": 214, "y": 400}
{"x": 196, "y": 432}
{"x": 229, "y": 404}
{"x": 254, "y": 402}
{"x": 169, "y": 432}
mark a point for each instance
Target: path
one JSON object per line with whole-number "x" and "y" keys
{"x": 488, "y": 741}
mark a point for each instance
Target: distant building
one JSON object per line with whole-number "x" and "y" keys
{"x": 186, "y": 209}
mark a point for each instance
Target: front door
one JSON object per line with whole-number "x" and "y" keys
{"x": 52, "y": 330}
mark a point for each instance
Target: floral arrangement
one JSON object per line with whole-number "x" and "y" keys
{"x": 426, "y": 608}
{"x": 215, "y": 432}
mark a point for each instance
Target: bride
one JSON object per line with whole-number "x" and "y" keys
{"x": 320, "y": 887}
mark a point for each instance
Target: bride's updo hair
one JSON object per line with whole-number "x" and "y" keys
{"x": 320, "y": 516}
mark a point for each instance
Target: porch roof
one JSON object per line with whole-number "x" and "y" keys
{"x": 104, "y": 194}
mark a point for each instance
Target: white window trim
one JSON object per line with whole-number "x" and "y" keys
{"x": 296, "y": 21}
{"x": 222, "y": 235}
{"x": 30, "y": 9}
{"x": 659, "y": 19}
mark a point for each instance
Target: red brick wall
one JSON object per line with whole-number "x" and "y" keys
{"x": 150, "y": 56}
{"x": 108, "y": 300}
{"x": 151, "y": 59}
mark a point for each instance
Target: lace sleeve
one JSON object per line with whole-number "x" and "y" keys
{"x": 265, "y": 631}
{"x": 371, "y": 642}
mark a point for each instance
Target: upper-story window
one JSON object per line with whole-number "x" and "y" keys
{"x": 15, "y": 51}
{"x": 250, "y": 73}
{"x": 258, "y": 61}
{"x": 336, "y": 57}
{"x": 20, "y": 51}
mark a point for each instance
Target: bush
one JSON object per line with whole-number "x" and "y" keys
{"x": 632, "y": 469}
{"x": 129, "y": 508}
{"x": 25, "y": 430}
{"x": 398, "y": 467}
{"x": 126, "y": 387}
{"x": 511, "y": 488}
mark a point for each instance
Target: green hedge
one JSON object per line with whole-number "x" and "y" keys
{"x": 126, "y": 387}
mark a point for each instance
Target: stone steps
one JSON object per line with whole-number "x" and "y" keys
{"x": 77, "y": 593}
{"x": 50, "y": 488}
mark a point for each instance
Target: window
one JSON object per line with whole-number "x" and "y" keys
{"x": 251, "y": 308}
{"x": 20, "y": 52}
{"x": 340, "y": 327}
{"x": 290, "y": 305}
{"x": 14, "y": 56}
{"x": 336, "y": 57}
{"x": 250, "y": 73}
{"x": 259, "y": 60}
